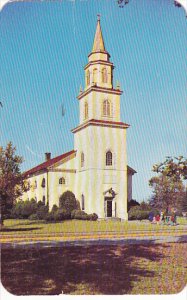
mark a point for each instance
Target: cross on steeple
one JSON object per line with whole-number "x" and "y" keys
{"x": 98, "y": 44}
{"x": 98, "y": 17}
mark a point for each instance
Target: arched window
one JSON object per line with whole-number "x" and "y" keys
{"x": 62, "y": 180}
{"x": 94, "y": 75}
{"x": 82, "y": 159}
{"x": 43, "y": 182}
{"x": 83, "y": 202}
{"x": 106, "y": 108}
{"x": 109, "y": 158}
{"x": 43, "y": 199}
{"x": 104, "y": 75}
{"x": 88, "y": 77}
{"x": 85, "y": 110}
{"x": 35, "y": 184}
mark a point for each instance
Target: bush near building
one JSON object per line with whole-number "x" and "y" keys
{"x": 68, "y": 202}
{"x": 29, "y": 209}
{"x": 23, "y": 209}
{"x": 60, "y": 214}
{"x": 135, "y": 213}
{"x": 141, "y": 211}
{"x": 132, "y": 203}
{"x": 32, "y": 210}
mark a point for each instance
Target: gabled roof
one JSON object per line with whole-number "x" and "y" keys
{"x": 48, "y": 163}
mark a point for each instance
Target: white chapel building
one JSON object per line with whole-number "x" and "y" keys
{"x": 96, "y": 171}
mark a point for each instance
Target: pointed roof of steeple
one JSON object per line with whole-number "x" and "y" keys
{"x": 98, "y": 44}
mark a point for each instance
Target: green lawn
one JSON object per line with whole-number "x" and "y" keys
{"x": 97, "y": 269}
{"x": 77, "y": 226}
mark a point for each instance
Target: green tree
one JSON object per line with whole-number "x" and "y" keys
{"x": 167, "y": 192}
{"x": 12, "y": 184}
{"x": 173, "y": 167}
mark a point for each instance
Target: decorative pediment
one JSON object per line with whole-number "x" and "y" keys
{"x": 110, "y": 193}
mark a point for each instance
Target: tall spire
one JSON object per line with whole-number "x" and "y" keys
{"x": 98, "y": 44}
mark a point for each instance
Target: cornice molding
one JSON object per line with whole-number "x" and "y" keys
{"x": 96, "y": 88}
{"x": 101, "y": 123}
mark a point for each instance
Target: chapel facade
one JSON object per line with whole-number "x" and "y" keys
{"x": 96, "y": 171}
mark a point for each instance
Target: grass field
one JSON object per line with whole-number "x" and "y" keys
{"x": 12, "y": 227}
{"x": 96, "y": 269}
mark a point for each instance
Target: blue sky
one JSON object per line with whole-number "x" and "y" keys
{"x": 44, "y": 47}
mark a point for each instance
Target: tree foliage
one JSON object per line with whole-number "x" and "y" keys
{"x": 12, "y": 184}
{"x": 132, "y": 203}
{"x": 173, "y": 167}
{"x": 167, "y": 192}
{"x": 168, "y": 188}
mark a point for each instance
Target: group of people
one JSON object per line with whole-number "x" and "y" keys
{"x": 163, "y": 218}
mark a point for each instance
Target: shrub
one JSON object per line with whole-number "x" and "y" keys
{"x": 81, "y": 215}
{"x": 54, "y": 208}
{"x": 132, "y": 203}
{"x": 68, "y": 202}
{"x": 42, "y": 212}
{"x": 23, "y": 209}
{"x": 26, "y": 209}
{"x": 93, "y": 217}
{"x": 49, "y": 217}
{"x": 61, "y": 214}
{"x": 145, "y": 206}
{"x": 33, "y": 217}
{"x": 57, "y": 214}
{"x": 16, "y": 210}
{"x": 136, "y": 213}
{"x": 40, "y": 204}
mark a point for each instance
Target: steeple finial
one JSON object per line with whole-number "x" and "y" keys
{"x": 98, "y": 44}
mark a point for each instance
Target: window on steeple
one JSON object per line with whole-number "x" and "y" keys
{"x": 109, "y": 158}
{"x": 82, "y": 159}
{"x": 85, "y": 110}
{"x": 88, "y": 77}
{"x": 106, "y": 108}
{"x": 94, "y": 75}
{"x": 104, "y": 75}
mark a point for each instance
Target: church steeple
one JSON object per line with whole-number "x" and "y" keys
{"x": 98, "y": 44}
{"x": 99, "y": 70}
{"x": 98, "y": 50}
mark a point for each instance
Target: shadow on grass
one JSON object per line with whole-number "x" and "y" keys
{"x": 95, "y": 269}
{"x": 19, "y": 229}
{"x": 182, "y": 238}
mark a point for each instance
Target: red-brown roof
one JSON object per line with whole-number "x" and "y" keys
{"x": 48, "y": 163}
{"x": 131, "y": 170}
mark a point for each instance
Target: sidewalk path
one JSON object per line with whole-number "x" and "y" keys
{"x": 96, "y": 238}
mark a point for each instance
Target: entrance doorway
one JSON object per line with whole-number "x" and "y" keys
{"x": 109, "y": 208}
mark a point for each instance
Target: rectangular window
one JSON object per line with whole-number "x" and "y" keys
{"x": 83, "y": 203}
